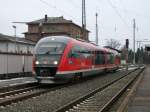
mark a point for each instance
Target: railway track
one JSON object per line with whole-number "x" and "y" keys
{"x": 16, "y": 95}
{"x": 101, "y": 99}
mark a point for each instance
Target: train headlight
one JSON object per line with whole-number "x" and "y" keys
{"x": 37, "y": 62}
{"x": 52, "y": 38}
{"x": 55, "y": 62}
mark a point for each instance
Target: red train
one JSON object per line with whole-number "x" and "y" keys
{"x": 60, "y": 58}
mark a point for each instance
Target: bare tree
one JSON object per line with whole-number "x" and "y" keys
{"x": 113, "y": 43}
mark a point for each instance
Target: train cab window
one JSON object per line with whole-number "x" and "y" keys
{"x": 50, "y": 48}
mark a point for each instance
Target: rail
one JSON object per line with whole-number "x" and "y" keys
{"x": 87, "y": 101}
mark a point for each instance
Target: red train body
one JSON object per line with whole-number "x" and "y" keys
{"x": 59, "y": 59}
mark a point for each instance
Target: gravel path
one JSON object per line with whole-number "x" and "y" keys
{"x": 53, "y": 100}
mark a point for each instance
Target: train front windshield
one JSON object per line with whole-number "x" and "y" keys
{"x": 50, "y": 48}
{"x": 49, "y": 53}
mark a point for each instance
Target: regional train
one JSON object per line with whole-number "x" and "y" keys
{"x": 59, "y": 59}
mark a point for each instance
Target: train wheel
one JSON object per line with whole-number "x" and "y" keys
{"x": 114, "y": 70}
{"x": 78, "y": 77}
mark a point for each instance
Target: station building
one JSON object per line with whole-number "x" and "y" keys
{"x": 15, "y": 56}
{"x": 11, "y": 44}
{"x": 53, "y": 26}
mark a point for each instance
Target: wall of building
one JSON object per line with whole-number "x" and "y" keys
{"x": 10, "y": 63}
{"x": 3, "y": 47}
{"x": 54, "y": 29}
{"x": 32, "y": 37}
{"x": 75, "y": 31}
{"x": 33, "y": 28}
{"x": 12, "y": 47}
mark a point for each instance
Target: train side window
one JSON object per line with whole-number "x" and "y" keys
{"x": 80, "y": 52}
{"x": 110, "y": 58}
{"x": 85, "y": 53}
{"x": 96, "y": 58}
{"x": 102, "y": 57}
{"x": 74, "y": 52}
{"x": 99, "y": 58}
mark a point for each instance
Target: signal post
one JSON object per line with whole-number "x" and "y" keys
{"x": 127, "y": 57}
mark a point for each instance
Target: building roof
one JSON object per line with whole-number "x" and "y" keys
{"x": 51, "y": 20}
{"x": 50, "y": 33}
{"x": 13, "y": 39}
{"x": 54, "y": 20}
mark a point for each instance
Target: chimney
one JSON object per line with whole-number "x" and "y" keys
{"x": 45, "y": 17}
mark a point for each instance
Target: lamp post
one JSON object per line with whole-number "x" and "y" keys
{"x": 15, "y": 37}
{"x": 96, "y": 29}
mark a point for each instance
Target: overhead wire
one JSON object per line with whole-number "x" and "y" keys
{"x": 77, "y": 7}
{"x": 118, "y": 13}
{"x": 136, "y": 14}
{"x": 74, "y": 4}
{"x": 133, "y": 12}
{"x": 52, "y": 6}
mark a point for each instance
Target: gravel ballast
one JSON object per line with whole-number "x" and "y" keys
{"x": 53, "y": 100}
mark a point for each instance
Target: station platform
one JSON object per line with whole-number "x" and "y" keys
{"x": 141, "y": 100}
{"x": 16, "y": 81}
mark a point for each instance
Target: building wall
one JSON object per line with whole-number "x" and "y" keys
{"x": 10, "y": 63}
{"x": 3, "y": 47}
{"x": 34, "y": 28}
{"x": 75, "y": 31}
{"x": 52, "y": 30}
{"x": 33, "y": 37}
{"x": 11, "y": 47}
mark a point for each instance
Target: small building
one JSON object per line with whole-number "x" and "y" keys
{"x": 10, "y": 44}
{"x": 52, "y": 26}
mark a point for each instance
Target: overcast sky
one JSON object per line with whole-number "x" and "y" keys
{"x": 115, "y": 17}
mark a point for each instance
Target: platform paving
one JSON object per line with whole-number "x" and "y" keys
{"x": 16, "y": 81}
{"x": 141, "y": 100}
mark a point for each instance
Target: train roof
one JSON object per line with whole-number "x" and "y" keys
{"x": 63, "y": 39}
{"x": 112, "y": 49}
{"x": 66, "y": 39}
